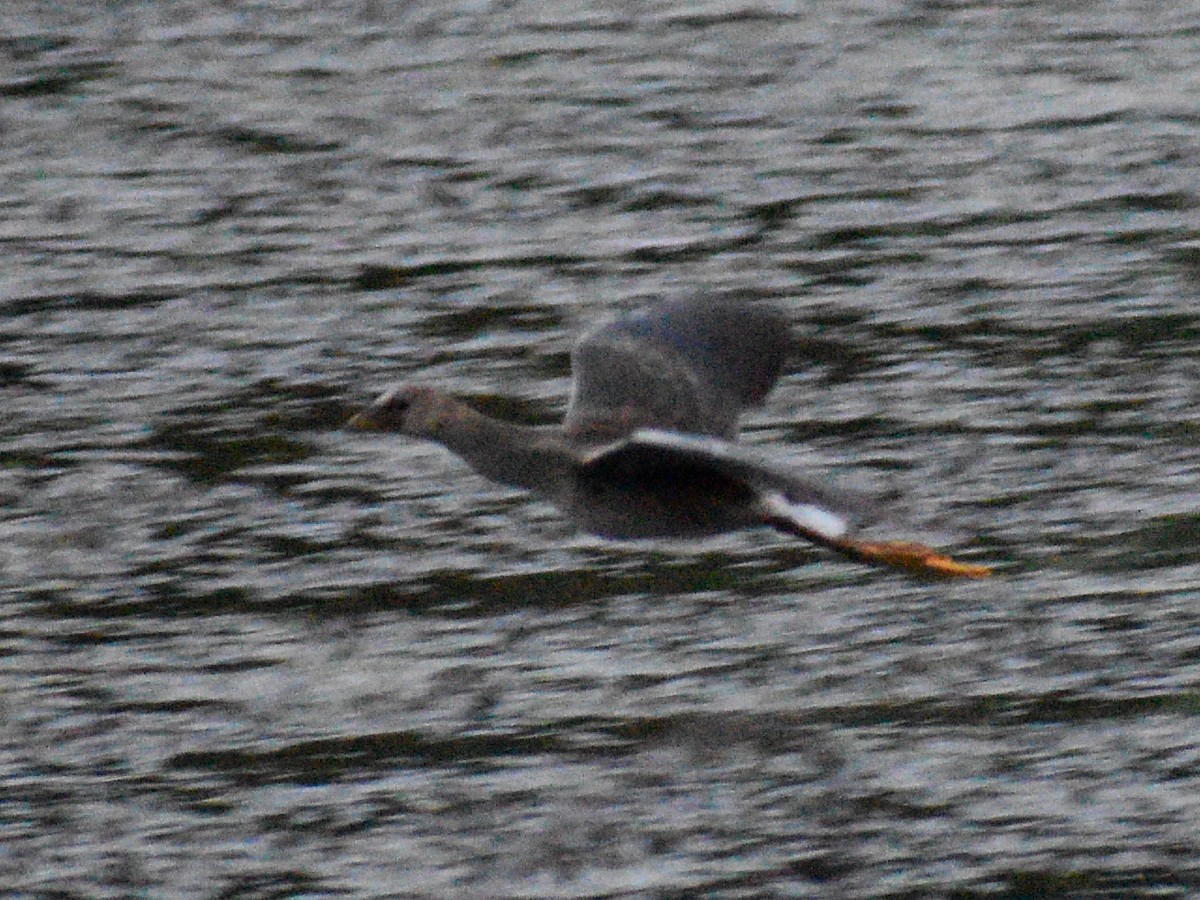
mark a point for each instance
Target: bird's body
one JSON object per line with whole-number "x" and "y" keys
{"x": 648, "y": 446}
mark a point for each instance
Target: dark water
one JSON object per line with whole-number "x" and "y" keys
{"x": 245, "y": 655}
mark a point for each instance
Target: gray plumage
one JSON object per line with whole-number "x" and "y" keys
{"x": 648, "y": 447}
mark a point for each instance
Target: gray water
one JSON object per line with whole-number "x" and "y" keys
{"x": 246, "y": 655}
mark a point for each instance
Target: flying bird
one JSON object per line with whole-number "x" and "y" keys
{"x": 648, "y": 447}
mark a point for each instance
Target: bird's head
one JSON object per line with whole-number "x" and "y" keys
{"x": 409, "y": 409}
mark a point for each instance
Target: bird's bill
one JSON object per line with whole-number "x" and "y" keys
{"x": 362, "y": 421}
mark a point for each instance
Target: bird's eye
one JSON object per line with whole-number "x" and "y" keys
{"x": 398, "y": 404}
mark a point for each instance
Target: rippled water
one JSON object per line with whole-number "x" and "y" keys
{"x": 243, "y": 654}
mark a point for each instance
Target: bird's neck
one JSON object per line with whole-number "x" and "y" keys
{"x": 530, "y": 457}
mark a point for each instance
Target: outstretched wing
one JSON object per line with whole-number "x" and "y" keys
{"x": 755, "y": 492}
{"x": 763, "y": 489}
{"x": 686, "y": 365}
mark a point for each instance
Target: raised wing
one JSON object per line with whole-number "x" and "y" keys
{"x": 690, "y": 366}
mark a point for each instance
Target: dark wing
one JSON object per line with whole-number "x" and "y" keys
{"x": 686, "y": 365}
{"x": 825, "y": 510}
{"x": 706, "y": 485}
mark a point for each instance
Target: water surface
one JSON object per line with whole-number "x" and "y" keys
{"x": 243, "y": 654}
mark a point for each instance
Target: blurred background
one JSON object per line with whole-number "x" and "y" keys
{"x": 246, "y": 655}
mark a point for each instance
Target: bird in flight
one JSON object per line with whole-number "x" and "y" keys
{"x": 648, "y": 447}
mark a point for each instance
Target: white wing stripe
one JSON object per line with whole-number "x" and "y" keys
{"x": 806, "y": 515}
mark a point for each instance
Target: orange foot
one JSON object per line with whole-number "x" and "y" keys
{"x": 910, "y": 556}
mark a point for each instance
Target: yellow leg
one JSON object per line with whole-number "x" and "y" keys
{"x": 908, "y": 555}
